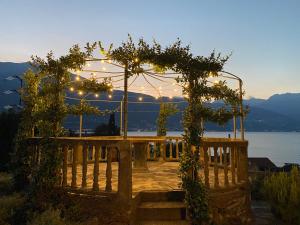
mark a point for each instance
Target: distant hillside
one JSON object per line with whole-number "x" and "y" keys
{"x": 278, "y": 113}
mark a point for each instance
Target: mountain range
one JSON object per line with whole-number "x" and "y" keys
{"x": 280, "y": 112}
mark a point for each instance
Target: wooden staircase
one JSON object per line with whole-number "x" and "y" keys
{"x": 161, "y": 208}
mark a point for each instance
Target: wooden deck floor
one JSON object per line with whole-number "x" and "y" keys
{"x": 160, "y": 176}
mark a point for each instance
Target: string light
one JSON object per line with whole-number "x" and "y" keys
{"x": 77, "y": 71}
{"x": 88, "y": 64}
{"x": 71, "y": 89}
{"x": 77, "y": 78}
{"x": 109, "y": 96}
{"x": 140, "y": 98}
{"x": 103, "y": 68}
{"x": 102, "y": 61}
{"x": 80, "y": 92}
{"x": 136, "y": 59}
{"x": 109, "y": 61}
{"x": 170, "y": 97}
{"x": 96, "y": 95}
{"x": 173, "y": 83}
{"x": 216, "y": 81}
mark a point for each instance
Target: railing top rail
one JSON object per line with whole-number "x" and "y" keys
{"x": 206, "y": 141}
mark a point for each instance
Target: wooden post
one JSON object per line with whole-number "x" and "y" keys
{"x": 84, "y": 165}
{"x": 108, "y": 187}
{"x": 65, "y": 166}
{"x": 74, "y": 165}
{"x": 225, "y": 166}
{"x": 206, "y": 167}
{"x": 238, "y": 163}
{"x": 232, "y": 163}
{"x": 125, "y": 172}
{"x": 148, "y": 151}
{"x": 209, "y": 155}
{"x": 216, "y": 167}
{"x": 177, "y": 150}
{"x": 96, "y": 168}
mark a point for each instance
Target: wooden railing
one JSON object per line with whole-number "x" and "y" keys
{"x": 104, "y": 164}
{"x": 219, "y": 157}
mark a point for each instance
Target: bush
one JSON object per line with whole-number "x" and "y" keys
{"x": 8, "y": 206}
{"x": 282, "y": 190}
{"x": 50, "y": 217}
{"x": 6, "y": 185}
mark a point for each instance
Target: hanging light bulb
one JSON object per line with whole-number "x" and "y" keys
{"x": 109, "y": 96}
{"x": 173, "y": 83}
{"x": 156, "y": 97}
{"x": 103, "y": 68}
{"x": 102, "y": 61}
{"x": 80, "y": 92}
{"x": 96, "y": 95}
{"x": 170, "y": 97}
{"x": 71, "y": 89}
{"x": 88, "y": 64}
{"x": 136, "y": 59}
{"x": 77, "y": 71}
{"x": 77, "y": 78}
{"x": 140, "y": 98}
{"x": 109, "y": 61}
{"x": 111, "y": 89}
{"x": 216, "y": 81}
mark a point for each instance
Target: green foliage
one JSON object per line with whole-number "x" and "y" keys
{"x": 282, "y": 190}
{"x": 165, "y": 110}
{"x": 50, "y": 217}
{"x": 8, "y": 206}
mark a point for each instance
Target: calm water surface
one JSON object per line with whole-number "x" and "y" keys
{"x": 280, "y": 147}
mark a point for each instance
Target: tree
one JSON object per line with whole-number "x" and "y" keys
{"x": 109, "y": 129}
{"x": 165, "y": 110}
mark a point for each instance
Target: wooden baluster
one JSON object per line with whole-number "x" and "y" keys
{"x": 108, "y": 187}
{"x": 148, "y": 152}
{"x": 162, "y": 151}
{"x": 238, "y": 164}
{"x": 105, "y": 158}
{"x": 65, "y": 166}
{"x": 225, "y": 166}
{"x": 74, "y": 166}
{"x": 209, "y": 155}
{"x": 171, "y": 149}
{"x": 216, "y": 167}
{"x": 84, "y": 166}
{"x": 206, "y": 167}
{"x": 154, "y": 150}
{"x": 96, "y": 168}
{"x": 177, "y": 150}
{"x": 221, "y": 155}
{"x": 232, "y": 164}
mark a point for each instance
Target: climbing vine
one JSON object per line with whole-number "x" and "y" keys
{"x": 165, "y": 110}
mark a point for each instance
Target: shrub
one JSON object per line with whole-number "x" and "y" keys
{"x": 50, "y": 217}
{"x": 6, "y": 185}
{"x": 8, "y": 206}
{"x": 282, "y": 190}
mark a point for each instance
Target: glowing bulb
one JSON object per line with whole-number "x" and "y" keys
{"x": 109, "y": 61}
{"x": 102, "y": 61}
{"x": 111, "y": 89}
{"x": 96, "y": 95}
{"x": 140, "y": 99}
{"x": 186, "y": 85}
{"x": 80, "y": 92}
{"x": 142, "y": 87}
{"x": 71, "y": 89}
{"x": 156, "y": 97}
{"x": 186, "y": 96}
{"x": 77, "y": 71}
{"x": 216, "y": 81}
{"x": 174, "y": 84}
{"x": 103, "y": 68}
{"x": 170, "y": 97}
{"x": 109, "y": 96}
{"x": 77, "y": 78}
{"x": 136, "y": 59}
{"x": 88, "y": 64}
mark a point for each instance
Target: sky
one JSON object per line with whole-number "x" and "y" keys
{"x": 262, "y": 36}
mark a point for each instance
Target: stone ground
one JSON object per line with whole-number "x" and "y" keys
{"x": 263, "y": 215}
{"x": 159, "y": 176}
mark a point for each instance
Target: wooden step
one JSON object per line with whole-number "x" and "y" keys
{"x": 163, "y": 210}
{"x": 163, "y": 222}
{"x": 156, "y": 196}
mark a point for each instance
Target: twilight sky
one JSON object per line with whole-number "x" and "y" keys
{"x": 263, "y": 35}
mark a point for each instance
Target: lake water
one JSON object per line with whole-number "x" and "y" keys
{"x": 280, "y": 147}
